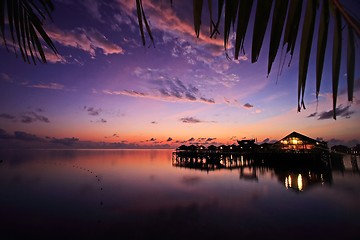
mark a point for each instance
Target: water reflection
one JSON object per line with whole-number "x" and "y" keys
{"x": 141, "y": 194}
{"x": 298, "y": 177}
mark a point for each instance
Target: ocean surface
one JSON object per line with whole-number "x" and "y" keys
{"x": 150, "y": 194}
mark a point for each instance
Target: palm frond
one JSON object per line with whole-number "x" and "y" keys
{"x": 321, "y": 45}
{"x": 305, "y": 48}
{"x": 350, "y": 63}
{"x": 260, "y": 25}
{"x": 277, "y": 26}
{"x": 197, "y": 15}
{"x": 336, "y": 57}
{"x": 25, "y": 23}
{"x": 244, "y": 13}
{"x": 286, "y": 19}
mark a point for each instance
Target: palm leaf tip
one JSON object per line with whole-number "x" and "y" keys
{"x": 278, "y": 20}
{"x": 260, "y": 24}
{"x": 305, "y": 48}
{"x": 197, "y": 4}
{"x": 321, "y": 45}
{"x": 350, "y": 63}
{"x": 336, "y": 58}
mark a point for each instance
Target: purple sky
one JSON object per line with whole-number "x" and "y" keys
{"x": 104, "y": 86}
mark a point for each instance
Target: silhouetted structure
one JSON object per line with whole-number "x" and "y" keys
{"x": 298, "y": 143}
{"x": 340, "y": 149}
{"x": 355, "y": 150}
{"x": 294, "y": 143}
{"x": 247, "y": 145}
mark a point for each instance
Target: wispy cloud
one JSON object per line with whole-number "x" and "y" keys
{"x": 26, "y": 117}
{"x": 92, "y": 111}
{"x": 7, "y": 116}
{"x": 151, "y": 140}
{"x": 115, "y": 135}
{"x": 5, "y": 77}
{"x": 54, "y": 86}
{"x": 190, "y": 120}
{"x": 163, "y": 87}
{"x": 65, "y": 141}
{"x": 84, "y": 39}
{"x": 101, "y": 120}
{"x": 210, "y": 139}
{"x": 165, "y": 19}
{"x": 169, "y": 139}
{"x": 248, "y": 105}
{"x": 30, "y": 117}
{"x": 27, "y": 136}
{"x": 340, "y": 111}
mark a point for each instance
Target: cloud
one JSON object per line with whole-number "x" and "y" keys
{"x": 84, "y": 39}
{"x": 190, "y": 120}
{"x": 92, "y": 111}
{"x": 165, "y": 19}
{"x": 30, "y": 117}
{"x": 54, "y": 86}
{"x": 101, "y": 120}
{"x": 312, "y": 115}
{"x": 65, "y": 141}
{"x": 233, "y": 138}
{"x": 210, "y": 100}
{"x": 54, "y": 58}
{"x": 151, "y": 140}
{"x": 169, "y": 139}
{"x": 27, "y": 137}
{"x": 266, "y": 140}
{"x": 171, "y": 87}
{"x": 163, "y": 87}
{"x": 130, "y": 93}
{"x": 27, "y": 117}
{"x": 248, "y": 105}
{"x": 49, "y": 55}
{"x": 115, "y": 135}
{"x": 154, "y": 122}
{"x": 6, "y": 77}
{"x": 7, "y": 116}
{"x": 340, "y": 111}
{"x": 210, "y": 139}
{"x": 93, "y": 8}
{"x": 191, "y": 139}
{"x": 5, "y": 135}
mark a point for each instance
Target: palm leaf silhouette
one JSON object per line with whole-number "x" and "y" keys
{"x": 25, "y": 21}
{"x": 288, "y": 13}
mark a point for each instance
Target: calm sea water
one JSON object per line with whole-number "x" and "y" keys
{"x": 147, "y": 194}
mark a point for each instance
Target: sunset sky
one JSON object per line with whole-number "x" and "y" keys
{"x": 104, "y": 86}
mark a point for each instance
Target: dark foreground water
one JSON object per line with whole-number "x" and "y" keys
{"x": 145, "y": 194}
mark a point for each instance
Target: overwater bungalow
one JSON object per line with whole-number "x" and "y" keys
{"x": 291, "y": 146}
{"x": 340, "y": 149}
{"x": 298, "y": 143}
{"x": 355, "y": 150}
{"x": 247, "y": 145}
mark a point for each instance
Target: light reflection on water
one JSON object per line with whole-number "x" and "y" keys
{"x": 136, "y": 194}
